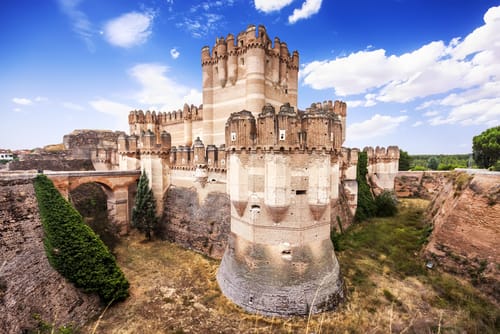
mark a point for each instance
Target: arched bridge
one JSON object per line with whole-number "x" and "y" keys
{"x": 119, "y": 186}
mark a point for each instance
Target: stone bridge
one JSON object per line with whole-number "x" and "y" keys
{"x": 119, "y": 186}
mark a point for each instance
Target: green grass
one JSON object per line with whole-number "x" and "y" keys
{"x": 393, "y": 245}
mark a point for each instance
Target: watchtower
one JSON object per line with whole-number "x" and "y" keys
{"x": 244, "y": 74}
{"x": 282, "y": 178}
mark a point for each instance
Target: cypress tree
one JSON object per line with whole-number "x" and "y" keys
{"x": 144, "y": 212}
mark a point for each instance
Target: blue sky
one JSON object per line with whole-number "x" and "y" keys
{"x": 420, "y": 74}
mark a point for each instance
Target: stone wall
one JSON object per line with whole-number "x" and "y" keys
{"x": 28, "y": 284}
{"x": 203, "y": 227}
{"x": 465, "y": 216}
{"x": 420, "y": 184}
{"x": 51, "y": 161}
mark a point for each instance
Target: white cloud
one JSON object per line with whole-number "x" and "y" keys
{"x": 268, "y": 6}
{"x": 157, "y": 89}
{"x": 467, "y": 70}
{"x": 431, "y": 113}
{"x": 484, "y": 111}
{"x": 81, "y": 24}
{"x": 111, "y": 107}
{"x": 17, "y": 109}
{"x": 129, "y": 29}
{"x": 377, "y": 126}
{"x": 204, "y": 18}
{"x": 72, "y": 106}
{"x": 22, "y": 101}
{"x": 174, "y": 53}
{"x": 309, "y": 8}
{"x": 41, "y": 99}
{"x": 417, "y": 123}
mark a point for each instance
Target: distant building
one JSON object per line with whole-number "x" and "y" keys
{"x": 6, "y": 155}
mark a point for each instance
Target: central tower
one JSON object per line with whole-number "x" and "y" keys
{"x": 245, "y": 74}
{"x": 282, "y": 178}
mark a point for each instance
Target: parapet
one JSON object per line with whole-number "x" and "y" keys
{"x": 252, "y": 37}
{"x": 189, "y": 112}
{"x": 381, "y": 153}
{"x": 318, "y": 128}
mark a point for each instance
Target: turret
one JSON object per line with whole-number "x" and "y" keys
{"x": 240, "y": 130}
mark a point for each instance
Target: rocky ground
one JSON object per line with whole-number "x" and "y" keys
{"x": 29, "y": 286}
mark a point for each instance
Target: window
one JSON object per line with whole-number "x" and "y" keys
{"x": 282, "y": 134}
{"x": 233, "y": 136}
{"x": 300, "y": 192}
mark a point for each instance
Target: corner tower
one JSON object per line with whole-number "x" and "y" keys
{"x": 280, "y": 259}
{"x": 245, "y": 73}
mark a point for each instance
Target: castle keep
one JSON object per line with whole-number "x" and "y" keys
{"x": 288, "y": 177}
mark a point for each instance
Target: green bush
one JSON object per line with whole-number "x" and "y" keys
{"x": 366, "y": 204}
{"x": 386, "y": 204}
{"x": 73, "y": 249}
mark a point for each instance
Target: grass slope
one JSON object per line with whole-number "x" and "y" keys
{"x": 174, "y": 290}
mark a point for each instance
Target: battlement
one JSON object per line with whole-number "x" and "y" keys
{"x": 381, "y": 154}
{"x": 189, "y": 112}
{"x": 317, "y": 128}
{"x": 248, "y": 39}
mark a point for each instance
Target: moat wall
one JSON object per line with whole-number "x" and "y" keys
{"x": 28, "y": 284}
{"x": 197, "y": 217}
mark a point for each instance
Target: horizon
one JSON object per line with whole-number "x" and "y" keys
{"x": 422, "y": 75}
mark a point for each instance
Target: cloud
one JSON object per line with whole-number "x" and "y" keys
{"x": 309, "y": 8}
{"x": 377, "y": 126}
{"x": 204, "y": 18}
{"x": 81, "y": 24}
{"x": 22, "y": 101}
{"x": 157, "y": 89}
{"x": 417, "y": 123}
{"x": 174, "y": 53}
{"x": 130, "y": 29}
{"x": 268, "y": 6}
{"x": 72, "y": 106}
{"x": 449, "y": 76}
{"x": 111, "y": 107}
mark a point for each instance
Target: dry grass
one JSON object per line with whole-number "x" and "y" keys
{"x": 174, "y": 290}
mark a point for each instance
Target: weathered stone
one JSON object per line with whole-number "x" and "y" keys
{"x": 28, "y": 284}
{"x": 203, "y": 227}
{"x": 465, "y": 216}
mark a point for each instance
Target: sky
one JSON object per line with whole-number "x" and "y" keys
{"x": 420, "y": 74}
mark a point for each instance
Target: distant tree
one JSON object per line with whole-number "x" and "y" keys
{"x": 433, "y": 163}
{"x": 144, "y": 212}
{"x": 486, "y": 147}
{"x": 404, "y": 160}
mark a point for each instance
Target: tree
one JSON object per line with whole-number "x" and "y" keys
{"x": 486, "y": 147}
{"x": 144, "y": 212}
{"x": 366, "y": 204}
{"x": 404, "y": 160}
{"x": 433, "y": 163}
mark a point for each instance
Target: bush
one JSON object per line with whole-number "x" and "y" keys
{"x": 74, "y": 250}
{"x": 386, "y": 204}
{"x": 366, "y": 205}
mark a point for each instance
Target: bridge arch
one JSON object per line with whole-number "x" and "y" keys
{"x": 120, "y": 188}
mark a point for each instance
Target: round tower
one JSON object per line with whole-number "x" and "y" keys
{"x": 280, "y": 259}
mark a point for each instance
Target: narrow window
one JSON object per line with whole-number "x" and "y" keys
{"x": 233, "y": 136}
{"x": 300, "y": 192}
{"x": 282, "y": 134}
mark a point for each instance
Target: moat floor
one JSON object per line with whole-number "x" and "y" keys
{"x": 174, "y": 290}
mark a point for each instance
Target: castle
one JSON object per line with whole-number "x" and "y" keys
{"x": 286, "y": 172}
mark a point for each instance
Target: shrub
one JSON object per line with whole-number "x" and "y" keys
{"x": 366, "y": 205}
{"x": 386, "y": 204}
{"x": 73, "y": 249}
